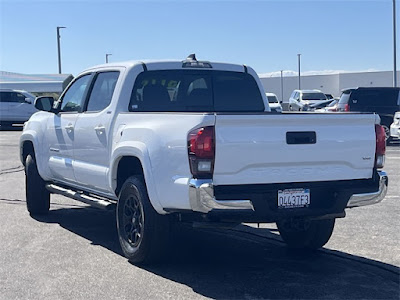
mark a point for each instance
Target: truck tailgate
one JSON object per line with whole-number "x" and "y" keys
{"x": 257, "y": 149}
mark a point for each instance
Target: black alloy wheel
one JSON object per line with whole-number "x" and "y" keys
{"x": 133, "y": 221}
{"x": 143, "y": 232}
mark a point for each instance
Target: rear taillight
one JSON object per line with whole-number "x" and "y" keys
{"x": 380, "y": 146}
{"x": 346, "y": 107}
{"x": 201, "y": 150}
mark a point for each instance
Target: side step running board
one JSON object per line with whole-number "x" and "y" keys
{"x": 93, "y": 201}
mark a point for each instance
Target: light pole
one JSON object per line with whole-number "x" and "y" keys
{"x": 298, "y": 58}
{"x": 107, "y": 55}
{"x": 58, "y": 46}
{"x": 394, "y": 45}
{"x": 281, "y": 85}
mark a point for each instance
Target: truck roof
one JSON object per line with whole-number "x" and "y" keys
{"x": 169, "y": 64}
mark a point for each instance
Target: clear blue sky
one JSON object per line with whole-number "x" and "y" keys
{"x": 267, "y": 35}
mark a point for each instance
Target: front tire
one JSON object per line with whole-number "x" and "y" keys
{"x": 143, "y": 233}
{"x": 306, "y": 234}
{"x": 37, "y": 196}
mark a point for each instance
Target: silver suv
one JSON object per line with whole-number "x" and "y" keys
{"x": 15, "y": 106}
{"x": 300, "y": 99}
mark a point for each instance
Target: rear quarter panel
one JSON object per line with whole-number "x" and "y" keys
{"x": 159, "y": 140}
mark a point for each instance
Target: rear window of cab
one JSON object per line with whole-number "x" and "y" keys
{"x": 195, "y": 91}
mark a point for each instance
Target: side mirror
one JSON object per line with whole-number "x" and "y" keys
{"x": 27, "y": 100}
{"x": 45, "y": 103}
{"x": 280, "y": 101}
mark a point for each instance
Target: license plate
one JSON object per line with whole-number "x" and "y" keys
{"x": 293, "y": 198}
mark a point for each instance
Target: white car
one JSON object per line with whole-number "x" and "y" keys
{"x": 300, "y": 99}
{"x": 274, "y": 103}
{"x": 16, "y": 106}
{"x": 116, "y": 138}
{"x": 395, "y": 127}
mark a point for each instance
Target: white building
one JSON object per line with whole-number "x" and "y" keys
{"x": 35, "y": 83}
{"x": 327, "y": 83}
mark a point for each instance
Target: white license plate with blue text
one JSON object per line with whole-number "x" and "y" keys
{"x": 293, "y": 198}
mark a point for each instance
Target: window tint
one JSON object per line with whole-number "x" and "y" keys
{"x": 313, "y": 96}
{"x": 236, "y": 92}
{"x": 74, "y": 98}
{"x": 12, "y": 97}
{"x": 371, "y": 97}
{"x": 171, "y": 91}
{"x": 272, "y": 99}
{"x": 102, "y": 91}
{"x": 6, "y": 97}
{"x": 195, "y": 91}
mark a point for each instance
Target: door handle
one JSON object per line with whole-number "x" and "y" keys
{"x": 100, "y": 129}
{"x": 69, "y": 127}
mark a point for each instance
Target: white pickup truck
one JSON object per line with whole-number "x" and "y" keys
{"x": 195, "y": 141}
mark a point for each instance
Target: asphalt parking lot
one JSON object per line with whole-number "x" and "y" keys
{"x": 73, "y": 253}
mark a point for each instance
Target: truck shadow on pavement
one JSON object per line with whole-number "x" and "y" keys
{"x": 231, "y": 264}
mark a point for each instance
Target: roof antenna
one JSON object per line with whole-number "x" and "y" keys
{"x": 192, "y": 57}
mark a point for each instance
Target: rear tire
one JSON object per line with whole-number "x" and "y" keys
{"x": 306, "y": 234}
{"x": 37, "y": 196}
{"x": 143, "y": 233}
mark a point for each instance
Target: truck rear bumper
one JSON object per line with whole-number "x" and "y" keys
{"x": 259, "y": 202}
{"x": 371, "y": 198}
{"x": 201, "y": 194}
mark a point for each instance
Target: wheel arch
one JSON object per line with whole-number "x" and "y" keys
{"x": 28, "y": 144}
{"x": 127, "y": 166}
{"x": 130, "y": 161}
{"x": 26, "y": 149}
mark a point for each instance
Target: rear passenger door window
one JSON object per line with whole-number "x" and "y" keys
{"x": 102, "y": 91}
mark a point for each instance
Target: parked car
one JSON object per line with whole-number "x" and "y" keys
{"x": 274, "y": 103}
{"x": 329, "y": 96}
{"x": 395, "y": 127}
{"x": 317, "y": 105}
{"x": 384, "y": 101}
{"x": 301, "y": 99}
{"x": 209, "y": 153}
{"x": 331, "y": 107}
{"x": 15, "y": 106}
